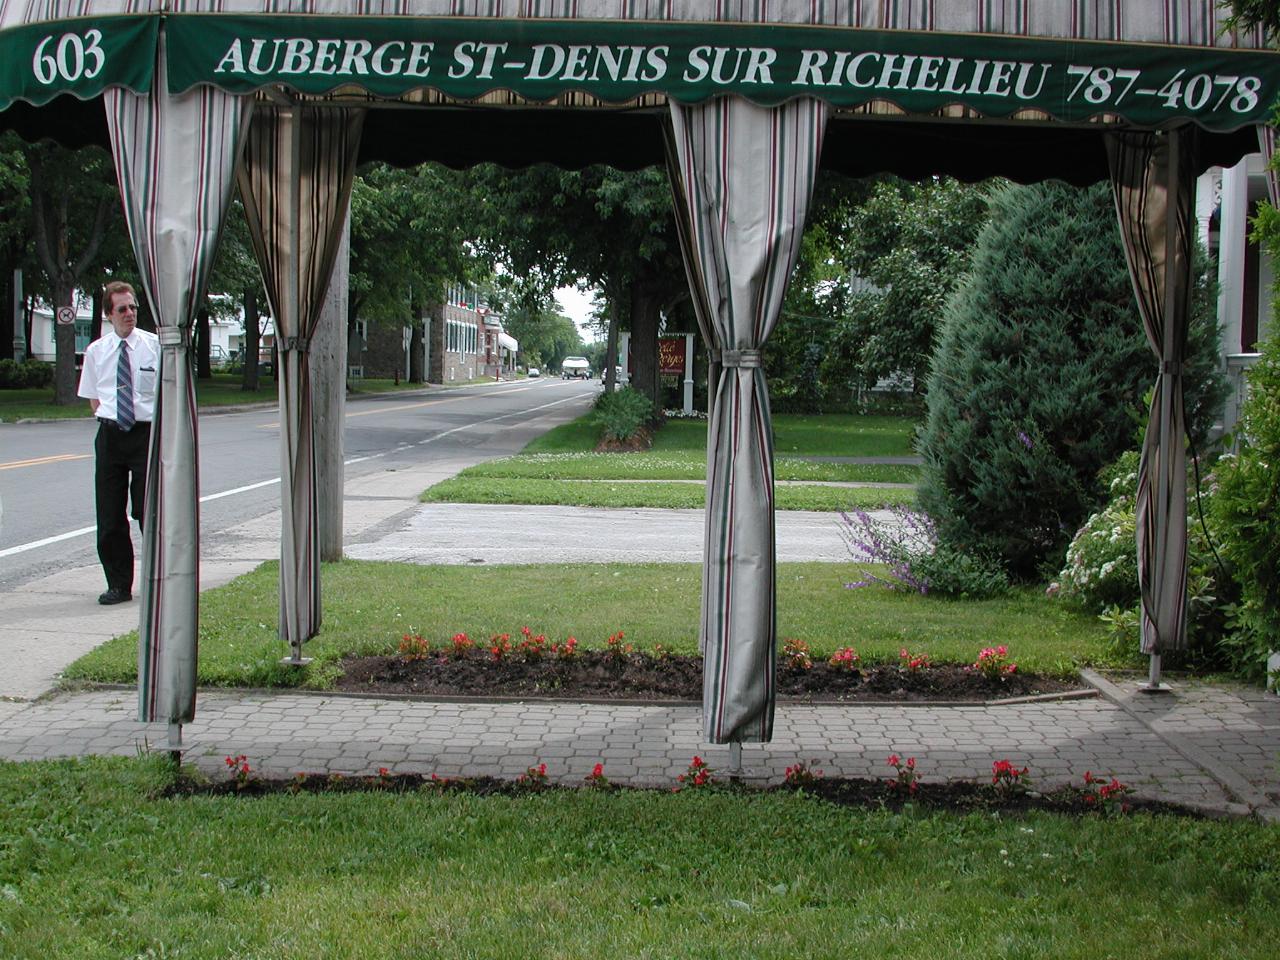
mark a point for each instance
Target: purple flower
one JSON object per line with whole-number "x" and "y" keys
{"x": 1026, "y": 440}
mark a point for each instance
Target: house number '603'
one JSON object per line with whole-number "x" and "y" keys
{"x": 73, "y": 58}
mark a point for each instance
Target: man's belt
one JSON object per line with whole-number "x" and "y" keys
{"x": 115, "y": 426}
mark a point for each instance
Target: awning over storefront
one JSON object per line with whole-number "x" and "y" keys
{"x": 620, "y": 61}
{"x": 1026, "y": 73}
{"x": 508, "y": 342}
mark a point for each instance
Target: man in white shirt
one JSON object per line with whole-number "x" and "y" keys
{"x": 119, "y": 381}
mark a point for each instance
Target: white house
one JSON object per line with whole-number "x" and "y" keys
{"x": 226, "y": 335}
{"x": 1226, "y": 200}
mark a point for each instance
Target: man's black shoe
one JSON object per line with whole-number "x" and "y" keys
{"x": 114, "y": 595}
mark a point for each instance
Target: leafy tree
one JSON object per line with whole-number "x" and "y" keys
{"x": 545, "y": 334}
{"x": 1256, "y": 13}
{"x": 610, "y": 228}
{"x": 1040, "y": 374}
{"x": 75, "y": 204}
{"x": 410, "y": 232}
{"x": 910, "y": 246}
{"x": 237, "y": 283}
{"x": 15, "y": 230}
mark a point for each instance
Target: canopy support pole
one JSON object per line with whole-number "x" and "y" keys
{"x": 735, "y": 758}
{"x": 1153, "y": 684}
{"x": 174, "y": 746}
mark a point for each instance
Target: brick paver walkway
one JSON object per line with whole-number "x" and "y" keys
{"x": 1159, "y": 746}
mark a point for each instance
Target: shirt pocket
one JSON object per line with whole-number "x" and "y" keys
{"x": 146, "y": 380}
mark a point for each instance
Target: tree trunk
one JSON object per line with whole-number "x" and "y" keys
{"x": 417, "y": 370}
{"x": 645, "y": 306}
{"x": 355, "y": 346}
{"x": 95, "y": 325}
{"x": 435, "y": 347}
{"x": 50, "y": 214}
{"x": 204, "y": 349}
{"x": 8, "y": 309}
{"x": 64, "y": 371}
{"x": 611, "y": 355}
{"x": 28, "y": 315}
{"x": 251, "y": 342}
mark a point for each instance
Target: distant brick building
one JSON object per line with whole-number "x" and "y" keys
{"x": 467, "y": 340}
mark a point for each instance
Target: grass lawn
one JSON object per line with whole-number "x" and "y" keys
{"x": 369, "y": 606}
{"x": 93, "y": 865}
{"x": 468, "y": 488}
{"x": 552, "y": 469}
{"x": 223, "y": 390}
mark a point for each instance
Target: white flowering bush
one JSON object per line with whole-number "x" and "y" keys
{"x": 1101, "y": 571}
{"x": 1102, "y": 561}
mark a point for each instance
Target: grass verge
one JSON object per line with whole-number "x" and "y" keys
{"x": 673, "y": 465}
{"x": 561, "y": 467}
{"x": 92, "y": 864}
{"x": 223, "y": 390}
{"x": 467, "y": 488}
{"x": 369, "y": 606}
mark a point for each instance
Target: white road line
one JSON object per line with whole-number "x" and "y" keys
{"x": 84, "y": 531}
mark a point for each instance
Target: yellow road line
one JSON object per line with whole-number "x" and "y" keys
{"x": 37, "y": 461}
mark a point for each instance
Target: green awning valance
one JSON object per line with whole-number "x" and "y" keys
{"x": 616, "y": 61}
{"x": 619, "y": 60}
{"x": 82, "y": 57}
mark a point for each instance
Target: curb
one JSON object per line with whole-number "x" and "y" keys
{"x": 1239, "y": 789}
{"x": 84, "y": 686}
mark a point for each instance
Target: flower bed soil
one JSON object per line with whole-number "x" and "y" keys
{"x": 859, "y": 793}
{"x": 602, "y": 675}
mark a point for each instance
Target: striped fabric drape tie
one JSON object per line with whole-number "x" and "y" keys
{"x": 742, "y": 176}
{"x": 175, "y": 158}
{"x": 296, "y": 181}
{"x": 1152, "y": 183}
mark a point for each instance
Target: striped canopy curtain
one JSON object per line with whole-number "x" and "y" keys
{"x": 1152, "y": 176}
{"x": 742, "y": 177}
{"x": 175, "y": 159}
{"x": 1267, "y": 143}
{"x": 299, "y": 164}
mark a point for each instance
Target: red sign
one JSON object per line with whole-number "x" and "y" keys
{"x": 671, "y": 354}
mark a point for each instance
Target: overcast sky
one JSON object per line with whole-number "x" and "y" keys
{"x": 577, "y": 307}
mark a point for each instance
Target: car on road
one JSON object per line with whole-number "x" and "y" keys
{"x": 534, "y": 372}
{"x": 575, "y": 368}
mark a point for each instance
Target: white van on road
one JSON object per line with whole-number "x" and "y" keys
{"x": 576, "y": 368}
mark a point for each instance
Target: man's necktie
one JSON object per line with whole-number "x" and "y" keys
{"x": 124, "y": 389}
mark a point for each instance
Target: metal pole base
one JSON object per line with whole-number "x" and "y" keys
{"x": 174, "y": 747}
{"x": 295, "y": 661}
{"x": 1153, "y": 684}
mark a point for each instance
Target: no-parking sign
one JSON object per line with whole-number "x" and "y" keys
{"x": 66, "y": 316}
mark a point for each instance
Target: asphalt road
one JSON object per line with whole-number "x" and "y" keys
{"x": 46, "y": 469}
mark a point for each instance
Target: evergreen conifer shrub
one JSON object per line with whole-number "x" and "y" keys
{"x": 1039, "y": 377}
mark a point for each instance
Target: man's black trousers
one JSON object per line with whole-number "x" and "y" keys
{"x": 120, "y": 481}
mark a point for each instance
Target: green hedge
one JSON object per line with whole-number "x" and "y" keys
{"x": 24, "y": 376}
{"x": 621, "y": 414}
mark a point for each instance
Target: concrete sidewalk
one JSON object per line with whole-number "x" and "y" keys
{"x": 1214, "y": 747}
